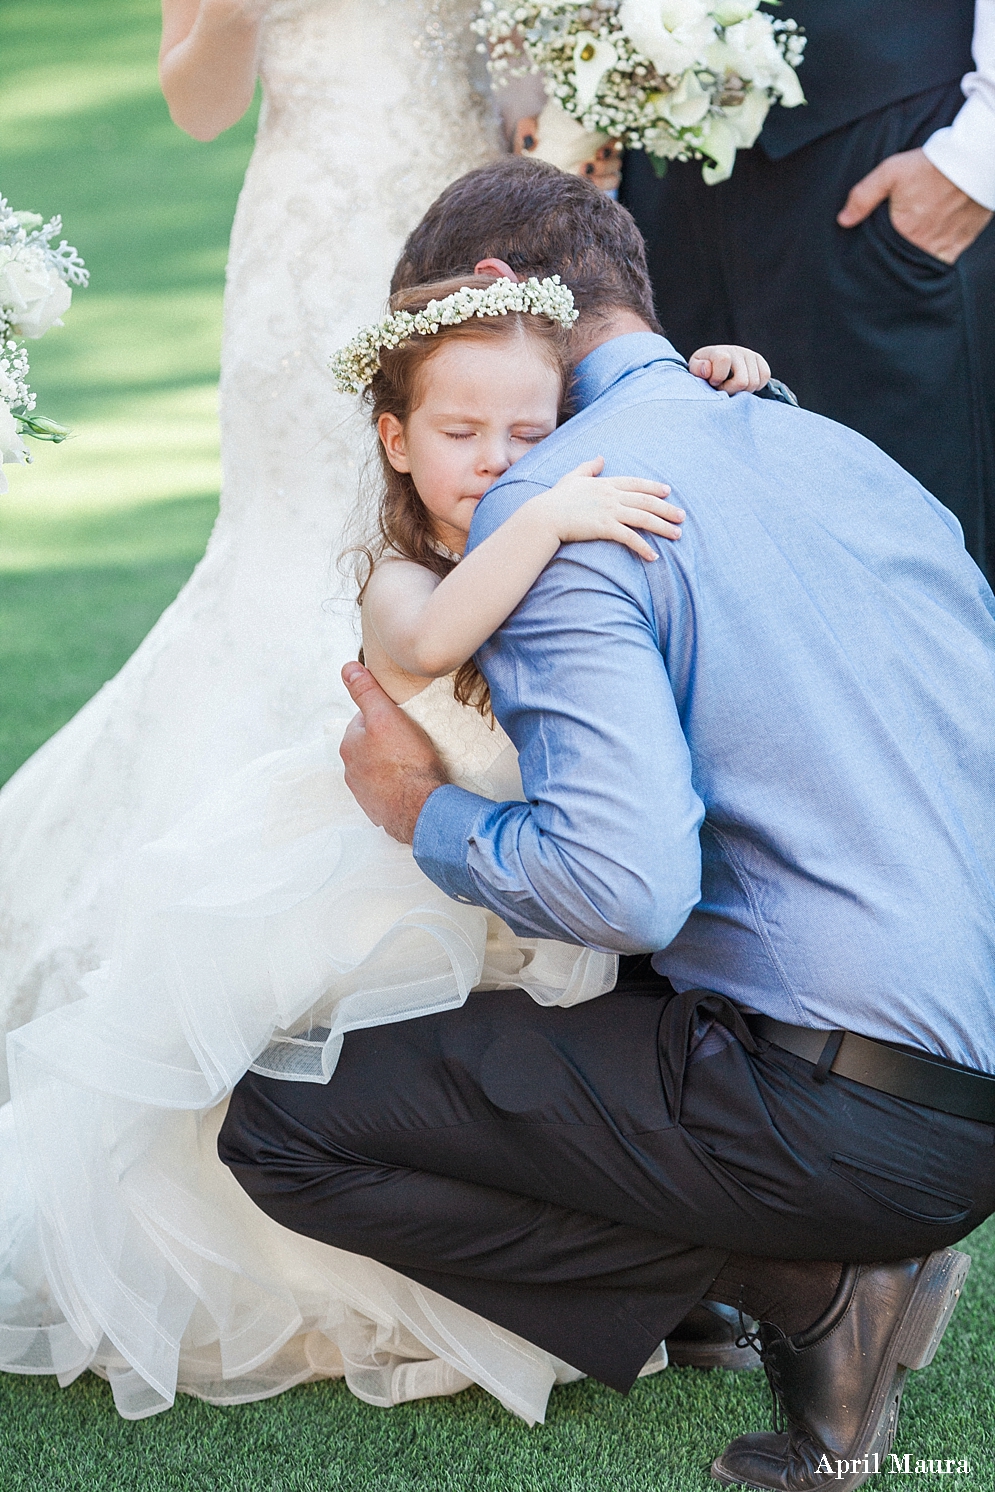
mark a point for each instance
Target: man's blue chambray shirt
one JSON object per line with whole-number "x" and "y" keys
{"x": 771, "y": 753}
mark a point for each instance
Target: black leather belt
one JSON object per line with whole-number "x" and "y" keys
{"x": 931, "y": 1081}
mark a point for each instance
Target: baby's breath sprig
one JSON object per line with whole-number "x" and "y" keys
{"x": 36, "y": 276}
{"x": 356, "y": 365}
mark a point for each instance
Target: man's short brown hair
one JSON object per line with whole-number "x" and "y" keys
{"x": 540, "y": 221}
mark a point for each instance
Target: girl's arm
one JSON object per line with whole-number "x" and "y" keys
{"x": 207, "y": 62}
{"x": 734, "y": 370}
{"x": 428, "y": 627}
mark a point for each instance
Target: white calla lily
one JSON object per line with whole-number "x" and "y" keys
{"x": 788, "y": 87}
{"x": 719, "y": 140}
{"x": 747, "y": 118}
{"x": 593, "y": 57}
{"x": 688, "y": 104}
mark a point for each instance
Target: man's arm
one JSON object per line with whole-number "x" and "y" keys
{"x": 605, "y": 851}
{"x": 942, "y": 196}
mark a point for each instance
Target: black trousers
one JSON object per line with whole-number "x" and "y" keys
{"x": 865, "y": 327}
{"x": 580, "y": 1176}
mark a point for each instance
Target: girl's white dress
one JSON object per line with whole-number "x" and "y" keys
{"x": 371, "y": 107}
{"x": 269, "y": 921}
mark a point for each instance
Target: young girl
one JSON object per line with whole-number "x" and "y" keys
{"x": 453, "y": 412}
{"x": 274, "y": 918}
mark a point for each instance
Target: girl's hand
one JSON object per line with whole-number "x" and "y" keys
{"x": 584, "y": 506}
{"x": 734, "y": 370}
{"x": 604, "y": 168}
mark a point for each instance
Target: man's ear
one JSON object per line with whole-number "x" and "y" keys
{"x": 495, "y": 267}
{"x": 391, "y": 433}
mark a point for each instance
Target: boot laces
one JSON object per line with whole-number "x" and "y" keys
{"x": 748, "y": 1338}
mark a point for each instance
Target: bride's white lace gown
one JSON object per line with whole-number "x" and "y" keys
{"x": 371, "y": 108}
{"x": 211, "y": 875}
{"x": 270, "y": 920}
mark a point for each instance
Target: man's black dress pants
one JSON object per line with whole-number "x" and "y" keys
{"x": 580, "y": 1176}
{"x": 863, "y": 325}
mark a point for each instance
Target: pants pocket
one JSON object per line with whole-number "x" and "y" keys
{"x": 902, "y": 1194}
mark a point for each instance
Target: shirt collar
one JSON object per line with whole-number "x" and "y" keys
{"x": 613, "y": 360}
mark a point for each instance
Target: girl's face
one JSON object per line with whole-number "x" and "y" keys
{"x": 483, "y": 405}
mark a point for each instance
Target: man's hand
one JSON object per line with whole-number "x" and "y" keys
{"x": 924, "y": 205}
{"x": 391, "y": 766}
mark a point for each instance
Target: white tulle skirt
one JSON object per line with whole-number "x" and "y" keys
{"x": 269, "y": 922}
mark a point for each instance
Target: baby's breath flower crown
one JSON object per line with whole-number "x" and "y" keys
{"x": 357, "y": 364}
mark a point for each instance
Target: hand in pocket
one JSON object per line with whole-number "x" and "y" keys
{"x": 925, "y": 207}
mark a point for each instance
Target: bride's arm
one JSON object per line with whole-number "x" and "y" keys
{"x": 207, "y": 62}
{"x": 429, "y": 626}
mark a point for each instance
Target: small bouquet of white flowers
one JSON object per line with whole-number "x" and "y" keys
{"x": 35, "y": 289}
{"x": 680, "y": 79}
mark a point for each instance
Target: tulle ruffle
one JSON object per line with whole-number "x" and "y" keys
{"x": 269, "y": 922}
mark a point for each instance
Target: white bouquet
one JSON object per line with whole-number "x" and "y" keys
{"x": 35, "y": 289}
{"x": 680, "y": 79}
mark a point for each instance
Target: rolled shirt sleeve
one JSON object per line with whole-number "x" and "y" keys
{"x": 605, "y": 850}
{"x": 965, "y": 150}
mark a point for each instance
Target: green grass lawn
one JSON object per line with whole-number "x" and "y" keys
{"x": 320, "y": 1439}
{"x": 100, "y": 533}
{"x": 95, "y": 540}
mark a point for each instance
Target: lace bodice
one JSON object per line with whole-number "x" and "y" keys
{"x": 476, "y": 753}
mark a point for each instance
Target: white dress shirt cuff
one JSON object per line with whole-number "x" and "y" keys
{"x": 965, "y": 150}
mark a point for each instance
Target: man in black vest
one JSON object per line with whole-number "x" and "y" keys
{"x": 854, "y": 244}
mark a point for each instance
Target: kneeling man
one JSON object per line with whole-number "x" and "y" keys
{"x": 768, "y": 759}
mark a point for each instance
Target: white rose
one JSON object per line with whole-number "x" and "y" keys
{"x": 673, "y": 34}
{"x": 32, "y": 294}
{"x": 12, "y": 448}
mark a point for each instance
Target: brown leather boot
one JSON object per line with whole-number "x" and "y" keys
{"x": 710, "y": 1336}
{"x": 838, "y": 1385}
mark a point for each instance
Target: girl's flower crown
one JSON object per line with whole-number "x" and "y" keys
{"x": 357, "y": 364}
